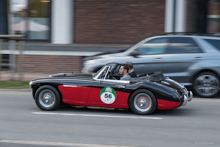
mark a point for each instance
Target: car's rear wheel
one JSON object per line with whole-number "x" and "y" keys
{"x": 206, "y": 84}
{"x": 47, "y": 98}
{"x": 142, "y": 102}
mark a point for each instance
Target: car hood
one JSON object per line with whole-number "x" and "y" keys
{"x": 61, "y": 78}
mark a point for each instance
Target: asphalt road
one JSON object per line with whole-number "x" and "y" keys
{"x": 22, "y": 124}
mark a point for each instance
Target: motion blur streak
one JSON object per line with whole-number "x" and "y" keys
{"x": 57, "y": 143}
{"x": 88, "y": 115}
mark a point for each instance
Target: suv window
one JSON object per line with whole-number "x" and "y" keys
{"x": 215, "y": 43}
{"x": 182, "y": 45}
{"x": 154, "y": 46}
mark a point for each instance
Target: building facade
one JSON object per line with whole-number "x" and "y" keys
{"x": 104, "y": 21}
{"x": 98, "y": 22}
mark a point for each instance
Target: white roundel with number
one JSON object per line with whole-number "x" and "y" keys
{"x": 108, "y": 95}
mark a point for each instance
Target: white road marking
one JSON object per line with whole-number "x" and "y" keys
{"x": 14, "y": 93}
{"x": 57, "y": 143}
{"x": 90, "y": 115}
{"x": 213, "y": 100}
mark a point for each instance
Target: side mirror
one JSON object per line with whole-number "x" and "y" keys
{"x": 134, "y": 53}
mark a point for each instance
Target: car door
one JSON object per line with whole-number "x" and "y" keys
{"x": 76, "y": 91}
{"x": 105, "y": 92}
{"x": 150, "y": 55}
{"x": 181, "y": 53}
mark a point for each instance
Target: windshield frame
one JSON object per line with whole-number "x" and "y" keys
{"x": 110, "y": 66}
{"x": 98, "y": 73}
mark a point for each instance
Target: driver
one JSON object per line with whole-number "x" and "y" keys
{"x": 123, "y": 70}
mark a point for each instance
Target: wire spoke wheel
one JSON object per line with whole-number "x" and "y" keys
{"x": 47, "y": 98}
{"x": 142, "y": 102}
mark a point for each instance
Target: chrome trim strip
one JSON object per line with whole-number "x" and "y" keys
{"x": 69, "y": 85}
{"x": 118, "y": 81}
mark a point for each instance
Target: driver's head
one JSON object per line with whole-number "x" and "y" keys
{"x": 123, "y": 69}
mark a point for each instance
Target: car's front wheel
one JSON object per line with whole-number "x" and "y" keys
{"x": 47, "y": 98}
{"x": 142, "y": 102}
{"x": 206, "y": 84}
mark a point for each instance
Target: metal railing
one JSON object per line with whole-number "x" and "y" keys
{"x": 20, "y": 43}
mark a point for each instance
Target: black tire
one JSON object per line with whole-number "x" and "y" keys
{"x": 206, "y": 84}
{"x": 148, "y": 96}
{"x": 47, "y": 98}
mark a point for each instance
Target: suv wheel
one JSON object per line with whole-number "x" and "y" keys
{"x": 206, "y": 84}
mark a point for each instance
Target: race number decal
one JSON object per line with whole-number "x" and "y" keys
{"x": 108, "y": 95}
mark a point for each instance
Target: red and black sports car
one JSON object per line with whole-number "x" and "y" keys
{"x": 143, "y": 95}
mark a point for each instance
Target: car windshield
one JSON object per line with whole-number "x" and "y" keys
{"x": 94, "y": 75}
{"x": 111, "y": 65}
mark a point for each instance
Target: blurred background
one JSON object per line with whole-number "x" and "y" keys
{"x": 59, "y": 34}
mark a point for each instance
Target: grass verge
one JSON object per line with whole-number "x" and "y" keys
{"x": 14, "y": 84}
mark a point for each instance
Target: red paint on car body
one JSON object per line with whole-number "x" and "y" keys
{"x": 124, "y": 101}
{"x": 88, "y": 96}
{"x": 164, "y": 104}
{"x": 77, "y": 95}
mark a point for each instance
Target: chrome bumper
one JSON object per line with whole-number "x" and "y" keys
{"x": 187, "y": 97}
{"x": 190, "y": 96}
